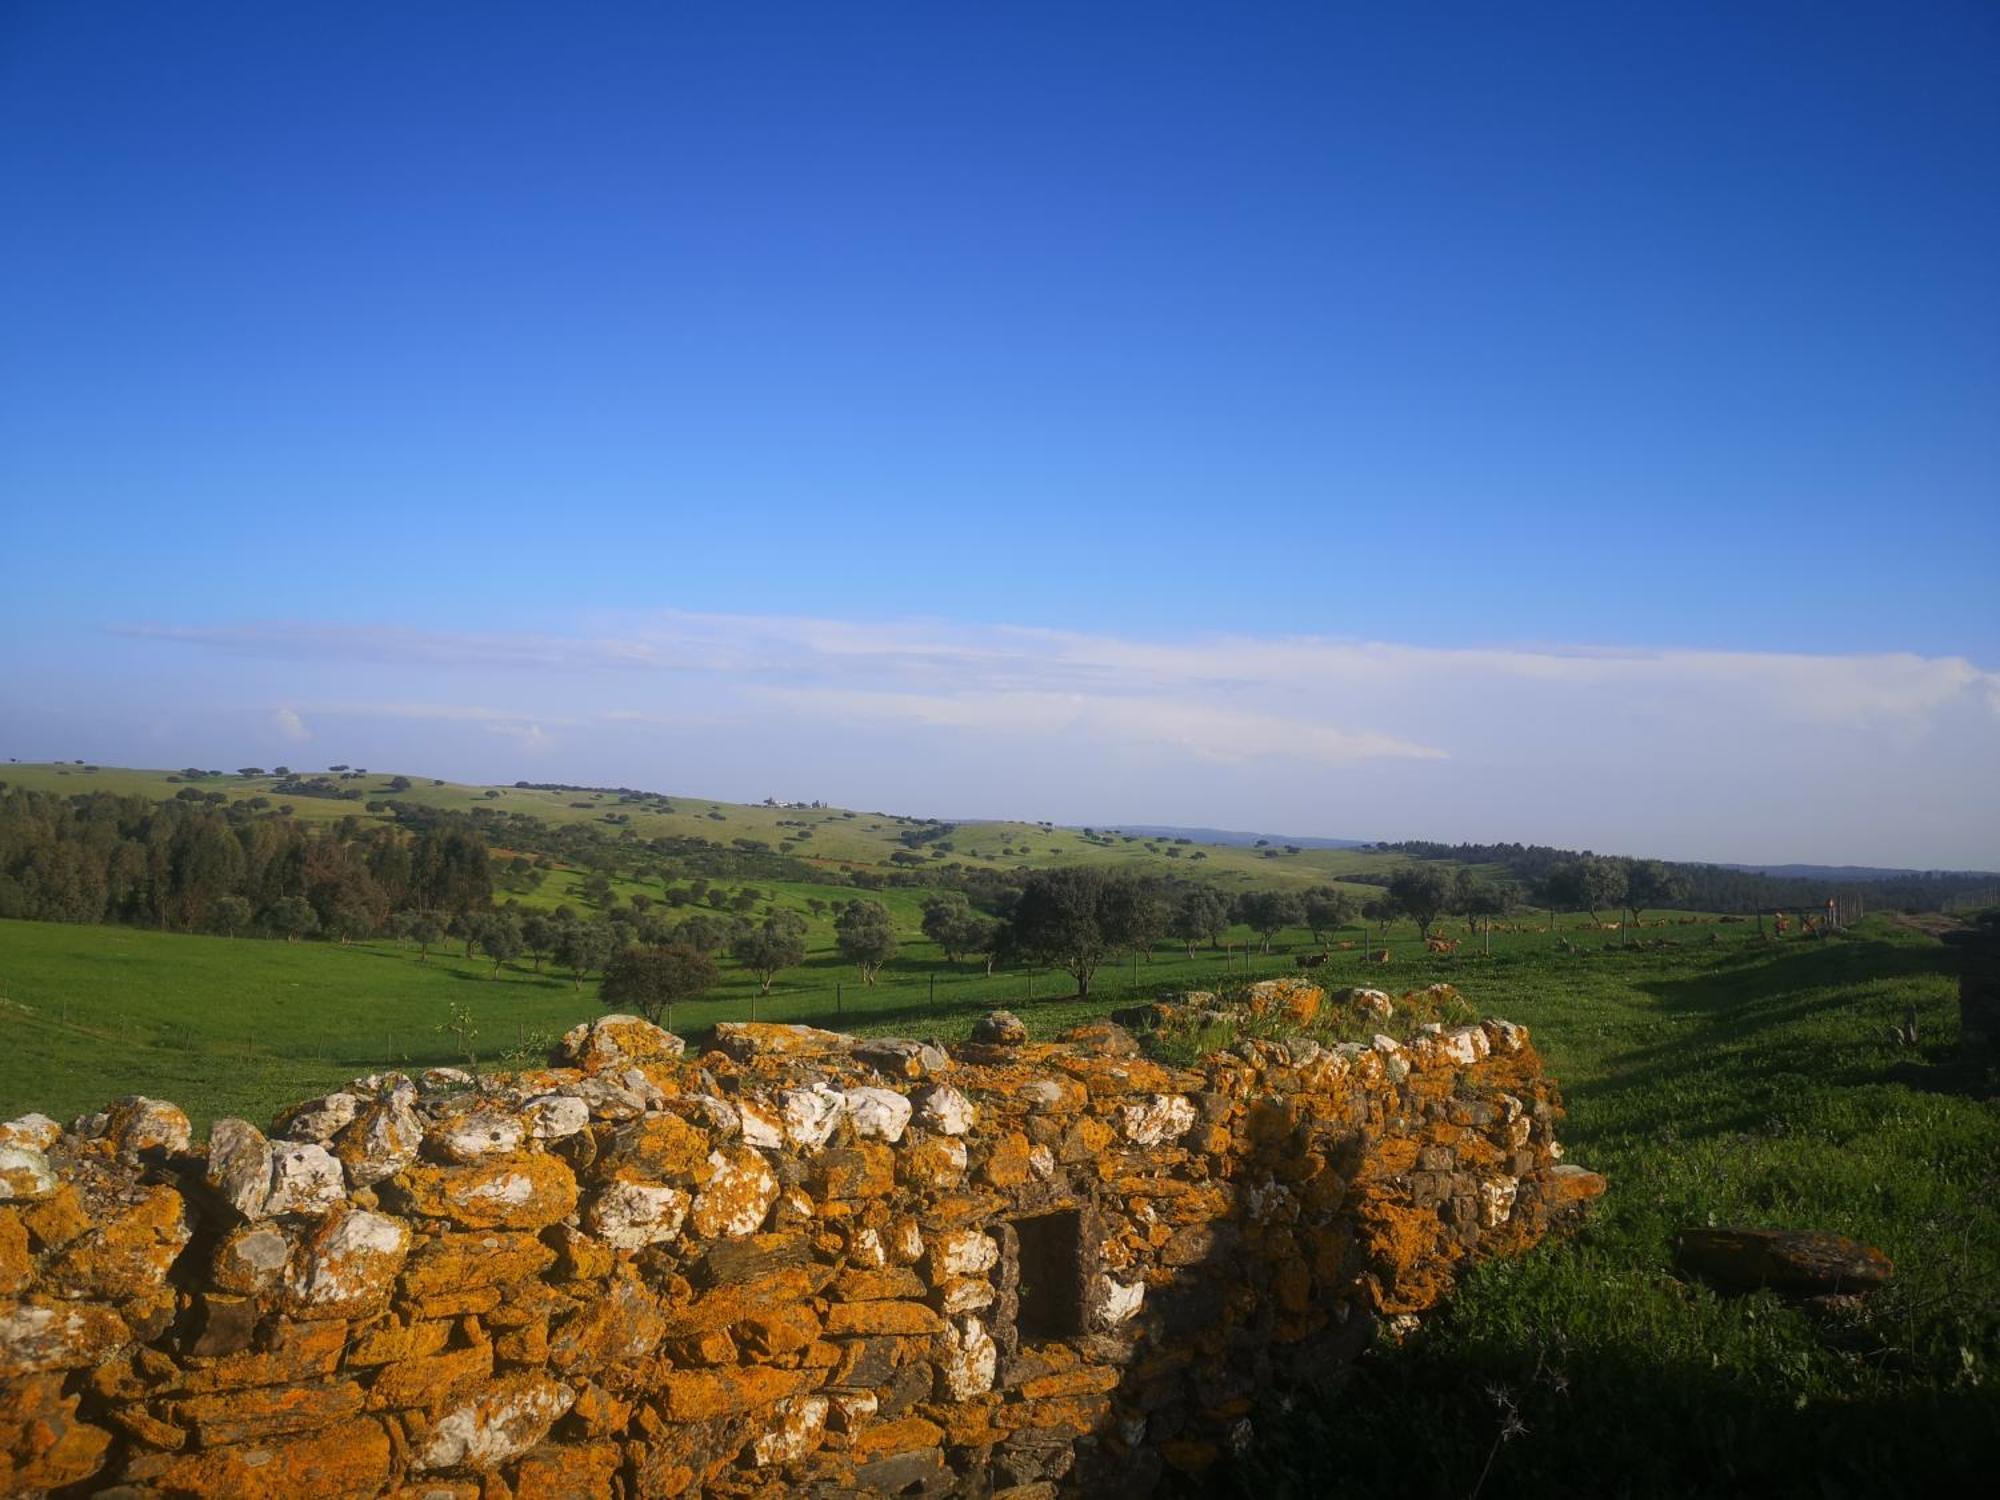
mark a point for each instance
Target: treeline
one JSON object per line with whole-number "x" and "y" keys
{"x": 1705, "y": 887}
{"x": 195, "y": 866}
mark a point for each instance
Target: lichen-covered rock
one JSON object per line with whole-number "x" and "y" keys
{"x": 744, "y": 1040}
{"x": 318, "y": 1119}
{"x": 41, "y": 1335}
{"x": 251, "y": 1258}
{"x": 944, "y": 1109}
{"x": 475, "y": 1135}
{"x": 902, "y": 1057}
{"x": 878, "y": 1114}
{"x": 1292, "y": 1000}
{"x": 1794, "y": 1262}
{"x": 1000, "y": 1028}
{"x": 239, "y": 1166}
{"x": 757, "y": 1274}
{"x": 36, "y": 1132}
{"x": 347, "y": 1265}
{"x": 1157, "y": 1118}
{"x": 527, "y": 1191}
{"x": 966, "y": 1359}
{"x": 1369, "y": 1002}
{"x": 134, "y": 1239}
{"x": 137, "y": 1126}
{"x": 555, "y": 1117}
{"x": 25, "y": 1174}
{"x": 305, "y": 1179}
{"x": 811, "y": 1115}
{"x": 502, "y": 1421}
{"x": 349, "y": 1459}
{"x": 630, "y": 1215}
{"x": 799, "y": 1426}
{"x": 1569, "y": 1185}
{"x": 760, "y": 1124}
{"x": 656, "y": 1148}
{"x": 613, "y": 1044}
{"x": 1464, "y": 1046}
{"x": 961, "y": 1252}
{"x": 737, "y": 1196}
{"x": 381, "y": 1140}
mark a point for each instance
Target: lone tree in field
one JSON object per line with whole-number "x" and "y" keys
{"x": 1422, "y": 893}
{"x": 1326, "y": 909}
{"x": 538, "y": 935}
{"x": 229, "y": 915}
{"x": 1480, "y": 900}
{"x": 1268, "y": 913}
{"x": 1135, "y": 914}
{"x": 581, "y": 947}
{"x": 1586, "y": 883}
{"x": 951, "y": 923}
{"x": 865, "y": 936}
{"x": 1068, "y": 918}
{"x": 499, "y": 940}
{"x": 652, "y": 981}
{"x": 292, "y": 918}
{"x": 424, "y": 928}
{"x": 943, "y": 914}
{"x": 1200, "y": 912}
{"x": 767, "y": 950}
{"x": 1648, "y": 882}
{"x": 985, "y": 937}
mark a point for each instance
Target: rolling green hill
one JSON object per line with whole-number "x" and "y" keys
{"x": 831, "y": 838}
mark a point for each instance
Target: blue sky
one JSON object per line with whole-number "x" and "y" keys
{"x": 1194, "y": 413}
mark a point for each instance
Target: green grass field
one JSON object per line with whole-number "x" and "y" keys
{"x": 246, "y": 1025}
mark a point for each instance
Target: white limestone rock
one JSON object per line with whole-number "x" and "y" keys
{"x": 812, "y": 1115}
{"x": 966, "y": 1359}
{"x": 945, "y": 1110}
{"x": 1156, "y": 1118}
{"x": 631, "y": 1215}
{"x": 878, "y": 1114}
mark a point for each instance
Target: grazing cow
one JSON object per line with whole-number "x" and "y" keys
{"x": 1441, "y": 945}
{"x": 1313, "y": 960}
{"x": 1379, "y": 956}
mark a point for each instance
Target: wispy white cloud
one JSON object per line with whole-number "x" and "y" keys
{"x": 288, "y": 723}
{"x": 1225, "y": 697}
{"x": 1210, "y": 733}
{"x": 1672, "y": 749}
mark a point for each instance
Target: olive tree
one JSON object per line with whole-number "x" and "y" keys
{"x": 865, "y": 936}
{"x": 779, "y": 943}
{"x": 652, "y": 981}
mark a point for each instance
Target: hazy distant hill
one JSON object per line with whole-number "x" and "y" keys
{"x": 1844, "y": 872}
{"x": 1233, "y": 838}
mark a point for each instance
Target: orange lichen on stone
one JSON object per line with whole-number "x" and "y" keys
{"x": 798, "y": 1263}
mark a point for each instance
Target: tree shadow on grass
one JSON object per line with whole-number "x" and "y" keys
{"x": 1740, "y": 1035}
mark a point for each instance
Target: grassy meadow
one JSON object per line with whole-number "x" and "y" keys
{"x": 246, "y": 1025}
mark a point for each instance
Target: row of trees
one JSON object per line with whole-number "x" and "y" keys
{"x": 192, "y": 866}
{"x": 1705, "y": 887}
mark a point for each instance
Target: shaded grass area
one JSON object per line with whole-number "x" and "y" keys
{"x": 1756, "y": 1088}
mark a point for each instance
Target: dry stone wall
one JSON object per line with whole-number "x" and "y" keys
{"x": 798, "y": 1264}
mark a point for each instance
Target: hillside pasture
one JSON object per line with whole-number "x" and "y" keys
{"x": 840, "y": 838}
